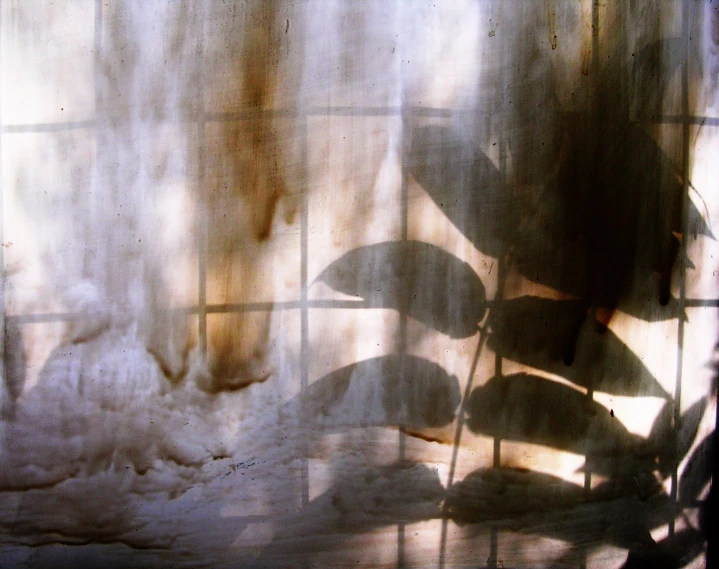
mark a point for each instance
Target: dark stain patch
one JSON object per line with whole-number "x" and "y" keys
{"x": 426, "y": 437}
{"x": 239, "y": 466}
{"x": 552, "y": 21}
{"x": 611, "y": 412}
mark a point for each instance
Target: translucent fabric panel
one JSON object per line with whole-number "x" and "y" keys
{"x": 382, "y": 283}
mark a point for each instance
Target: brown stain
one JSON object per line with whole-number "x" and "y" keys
{"x": 260, "y": 59}
{"x": 237, "y": 349}
{"x": 427, "y": 437}
{"x": 552, "y": 22}
{"x": 245, "y": 181}
{"x": 587, "y": 34}
{"x": 604, "y": 315}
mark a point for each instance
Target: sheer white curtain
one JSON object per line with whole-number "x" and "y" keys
{"x": 386, "y": 282}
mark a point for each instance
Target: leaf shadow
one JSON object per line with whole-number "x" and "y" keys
{"x": 358, "y": 502}
{"x": 466, "y": 186}
{"x": 531, "y": 409}
{"x": 405, "y": 276}
{"x": 383, "y": 391}
{"x": 536, "y": 503}
{"x": 544, "y": 333}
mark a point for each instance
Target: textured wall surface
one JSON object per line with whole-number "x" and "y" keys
{"x": 332, "y": 283}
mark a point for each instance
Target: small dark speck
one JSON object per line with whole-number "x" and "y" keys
{"x": 611, "y": 412}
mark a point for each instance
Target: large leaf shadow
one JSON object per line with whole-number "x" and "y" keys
{"x": 500, "y": 493}
{"x": 15, "y": 367}
{"x": 684, "y": 431}
{"x": 357, "y": 502}
{"x": 606, "y": 226}
{"x": 532, "y": 409}
{"x": 466, "y": 185}
{"x": 384, "y": 391}
{"x": 638, "y": 87}
{"x": 622, "y": 193}
{"x": 541, "y": 332}
{"x": 673, "y": 552}
{"x": 698, "y": 470}
{"x": 605, "y": 223}
{"x": 541, "y": 504}
{"x": 406, "y": 276}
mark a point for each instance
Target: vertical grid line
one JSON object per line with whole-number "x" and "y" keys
{"x": 404, "y": 230}
{"x": 94, "y": 266}
{"x": 97, "y": 41}
{"x": 498, "y": 360}
{"x": 405, "y": 115}
{"x": 304, "y": 313}
{"x": 686, "y": 15}
{"x": 3, "y": 371}
{"x": 202, "y": 191}
{"x": 595, "y": 125}
{"x": 91, "y": 260}
{"x": 457, "y": 439}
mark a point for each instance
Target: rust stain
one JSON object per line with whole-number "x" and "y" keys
{"x": 426, "y": 437}
{"x": 587, "y": 34}
{"x": 552, "y": 22}
{"x": 247, "y": 171}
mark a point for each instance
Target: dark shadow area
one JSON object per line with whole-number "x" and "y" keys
{"x": 621, "y": 192}
{"x": 384, "y": 391}
{"x": 698, "y": 471}
{"x": 358, "y": 502}
{"x": 604, "y": 226}
{"x": 87, "y": 556}
{"x": 541, "y": 504}
{"x": 466, "y": 185}
{"x": 540, "y": 332}
{"x": 500, "y": 493}
{"x": 14, "y": 366}
{"x": 407, "y": 276}
{"x": 535, "y": 410}
{"x": 673, "y": 552}
{"x": 684, "y": 432}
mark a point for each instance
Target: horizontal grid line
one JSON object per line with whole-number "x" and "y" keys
{"x": 679, "y": 119}
{"x": 47, "y": 127}
{"x": 270, "y": 307}
{"x": 251, "y": 114}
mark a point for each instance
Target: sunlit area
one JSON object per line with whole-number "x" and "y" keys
{"x": 329, "y": 283}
